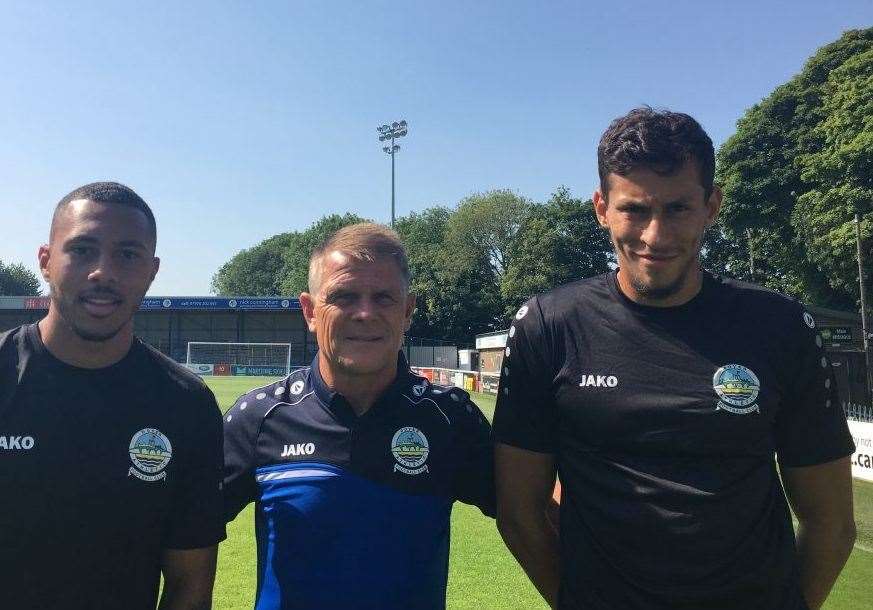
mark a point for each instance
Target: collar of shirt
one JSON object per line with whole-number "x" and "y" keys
{"x": 338, "y": 403}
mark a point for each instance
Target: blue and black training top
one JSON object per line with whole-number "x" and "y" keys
{"x": 353, "y": 512}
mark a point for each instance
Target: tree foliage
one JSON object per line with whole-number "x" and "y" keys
{"x": 794, "y": 174}
{"x": 293, "y": 276}
{"x": 559, "y": 242}
{"x": 255, "y": 271}
{"x": 471, "y": 265}
{"x": 18, "y": 280}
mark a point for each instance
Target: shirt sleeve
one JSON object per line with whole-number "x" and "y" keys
{"x": 196, "y": 520}
{"x": 525, "y": 415}
{"x": 811, "y": 427}
{"x": 240, "y": 486}
{"x": 474, "y": 481}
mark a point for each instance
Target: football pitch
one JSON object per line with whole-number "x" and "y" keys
{"x": 482, "y": 573}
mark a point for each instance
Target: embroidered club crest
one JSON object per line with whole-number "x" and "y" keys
{"x": 409, "y": 447}
{"x": 737, "y": 388}
{"x": 150, "y": 451}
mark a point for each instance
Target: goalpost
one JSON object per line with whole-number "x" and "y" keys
{"x": 208, "y": 358}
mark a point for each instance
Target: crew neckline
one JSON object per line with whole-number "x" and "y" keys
{"x": 34, "y": 340}
{"x": 707, "y": 289}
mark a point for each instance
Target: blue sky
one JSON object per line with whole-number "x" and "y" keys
{"x": 237, "y": 121}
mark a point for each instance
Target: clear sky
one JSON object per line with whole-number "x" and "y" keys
{"x": 240, "y": 120}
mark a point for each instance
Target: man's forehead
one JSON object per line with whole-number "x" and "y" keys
{"x": 646, "y": 185}
{"x": 87, "y": 217}
{"x": 342, "y": 269}
{"x": 338, "y": 261}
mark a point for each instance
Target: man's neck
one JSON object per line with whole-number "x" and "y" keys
{"x": 691, "y": 287}
{"x": 360, "y": 391}
{"x": 68, "y": 347}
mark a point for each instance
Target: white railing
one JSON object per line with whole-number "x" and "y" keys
{"x": 472, "y": 381}
{"x": 858, "y": 412}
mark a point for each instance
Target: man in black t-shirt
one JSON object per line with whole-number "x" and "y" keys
{"x": 110, "y": 453}
{"x": 661, "y": 395}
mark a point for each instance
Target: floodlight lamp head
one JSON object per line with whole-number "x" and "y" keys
{"x": 395, "y": 125}
{"x": 387, "y": 149}
{"x": 403, "y": 123}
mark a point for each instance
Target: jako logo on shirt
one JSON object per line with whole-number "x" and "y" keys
{"x": 14, "y": 443}
{"x": 298, "y": 449}
{"x": 598, "y": 381}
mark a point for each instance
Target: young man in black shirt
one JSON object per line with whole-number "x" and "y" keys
{"x": 661, "y": 395}
{"x": 111, "y": 458}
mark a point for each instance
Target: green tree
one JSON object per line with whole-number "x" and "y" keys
{"x": 255, "y": 271}
{"x": 456, "y": 295}
{"x": 18, "y": 280}
{"x": 484, "y": 227}
{"x": 293, "y": 276}
{"x": 779, "y": 156}
{"x": 559, "y": 242}
{"x": 839, "y": 174}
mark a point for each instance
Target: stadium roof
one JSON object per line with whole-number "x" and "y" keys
{"x": 277, "y": 303}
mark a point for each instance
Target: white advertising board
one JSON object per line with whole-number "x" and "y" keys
{"x": 202, "y": 369}
{"x": 862, "y": 459}
{"x": 492, "y": 341}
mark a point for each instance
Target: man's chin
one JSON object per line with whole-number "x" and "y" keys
{"x": 658, "y": 288}
{"x": 364, "y": 365}
{"x": 96, "y": 335}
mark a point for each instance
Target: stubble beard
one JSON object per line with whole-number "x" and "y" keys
{"x": 661, "y": 293}
{"x": 67, "y": 315}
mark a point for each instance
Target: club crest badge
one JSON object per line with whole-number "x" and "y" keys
{"x": 150, "y": 451}
{"x": 737, "y": 388}
{"x": 410, "y": 448}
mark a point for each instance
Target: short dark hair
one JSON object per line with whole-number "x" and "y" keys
{"x": 659, "y": 140}
{"x": 112, "y": 193}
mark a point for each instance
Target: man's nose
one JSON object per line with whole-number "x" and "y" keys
{"x": 656, "y": 232}
{"x": 105, "y": 270}
{"x": 364, "y": 309}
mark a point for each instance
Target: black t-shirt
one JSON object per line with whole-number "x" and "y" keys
{"x": 100, "y": 471}
{"x": 664, "y": 423}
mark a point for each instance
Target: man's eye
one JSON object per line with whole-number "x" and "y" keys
{"x": 130, "y": 255}
{"x": 384, "y": 299}
{"x": 81, "y": 250}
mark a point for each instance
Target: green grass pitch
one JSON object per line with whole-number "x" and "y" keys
{"x": 482, "y": 573}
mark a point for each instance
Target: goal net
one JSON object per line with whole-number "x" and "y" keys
{"x": 209, "y": 358}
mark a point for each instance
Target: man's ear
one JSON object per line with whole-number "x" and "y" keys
{"x": 307, "y": 304}
{"x": 714, "y": 205}
{"x": 410, "y": 309}
{"x": 42, "y": 256}
{"x": 156, "y": 264}
{"x": 600, "y": 206}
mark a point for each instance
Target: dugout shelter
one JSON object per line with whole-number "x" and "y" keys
{"x": 173, "y": 324}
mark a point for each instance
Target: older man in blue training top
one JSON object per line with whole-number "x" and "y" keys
{"x": 354, "y": 462}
